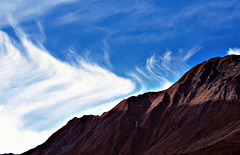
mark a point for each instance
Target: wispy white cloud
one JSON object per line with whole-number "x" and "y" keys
{"x": 139, "y": 80}
{"x": 106, "y": 49}
{"x": 191, "y": 52}
{"x": 234, "y": 51}
{"x": 161, "y": 71}
{"x": 38, "y": 91}
{"x": 150, "y": 63}
{"x": 142, "y": 15}
{"x": 20, "y": 10}
{"x": 140, "y": 71}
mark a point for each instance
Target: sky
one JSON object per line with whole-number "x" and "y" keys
{"x": 67, "y": 58}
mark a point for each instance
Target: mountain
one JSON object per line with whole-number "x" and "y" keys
{"x": 199, "y": 114}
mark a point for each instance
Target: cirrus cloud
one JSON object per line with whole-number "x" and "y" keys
{"x": 161, "y": 71}
{"x": 39, "y": 92}
{"x": 21, "y": 10}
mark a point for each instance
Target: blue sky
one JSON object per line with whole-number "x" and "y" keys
{"x": 66, "y": 58}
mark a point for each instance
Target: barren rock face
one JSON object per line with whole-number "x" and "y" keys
{"x": 199, "y": 114}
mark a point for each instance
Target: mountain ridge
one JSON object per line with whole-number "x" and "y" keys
{"x": 198, "y": 114}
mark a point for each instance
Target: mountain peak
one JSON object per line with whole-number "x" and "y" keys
{"x": 208, "y": 70}
{"x": 214, "y": 79}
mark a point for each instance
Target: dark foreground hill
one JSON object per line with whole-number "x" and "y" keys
{"x": 199, "y": 114}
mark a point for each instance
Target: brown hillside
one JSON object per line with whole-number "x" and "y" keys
{"x": 199, "y": 114}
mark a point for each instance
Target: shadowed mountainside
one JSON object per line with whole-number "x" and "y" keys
{"x": 199, "y": 114}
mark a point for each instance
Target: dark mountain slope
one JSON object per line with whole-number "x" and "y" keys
{"x": 199, "y": 114}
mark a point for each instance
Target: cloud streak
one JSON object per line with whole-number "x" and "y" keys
{"x": 38, "y": 91}
{"x": 159, "y": 69}
{"x": 142, "y": 16}
{"x": 20, "y": 10}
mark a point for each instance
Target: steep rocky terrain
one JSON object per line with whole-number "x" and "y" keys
{"x": 199, "y": 114}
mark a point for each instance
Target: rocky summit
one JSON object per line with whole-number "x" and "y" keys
{"x": 199, "y": 114}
